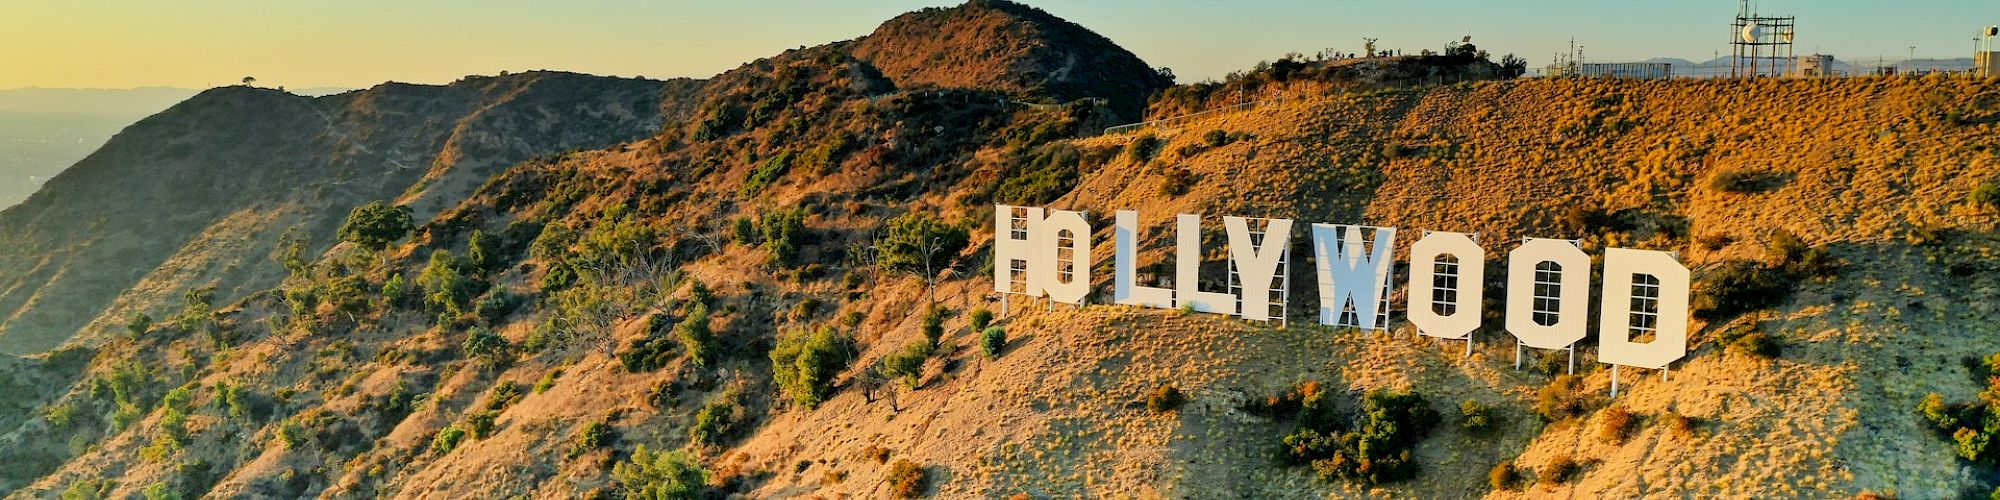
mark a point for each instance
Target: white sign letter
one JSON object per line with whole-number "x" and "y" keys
{"x": 1548, "y": 293}
{"x": 1187, "y": 270}
{"x": 1014, "y": 249}
{"x": 1352, "y": 274}
{"x": 1125, "y": 287}
{"x": 1644, "y": 292}
{"x": 1447, "y": 283}
{"x": 1257, "y": 261}
{"x": 1061, "y": 265}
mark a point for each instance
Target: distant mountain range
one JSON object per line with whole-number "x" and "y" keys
{"x": 45, "y": 130}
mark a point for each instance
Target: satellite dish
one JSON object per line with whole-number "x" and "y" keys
{"x": 1992, "y": 31}
{"x": 1787, "y": 35}
{"x": 1750, "y": 33}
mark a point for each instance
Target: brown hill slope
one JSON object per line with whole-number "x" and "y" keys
{"x": 1001, "y": 45}
{"x": 156, "y": 209}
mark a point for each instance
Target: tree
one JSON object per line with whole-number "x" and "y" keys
{"x": 804, "y": 364}
{"x": 375, "y": 225}
{"x": 249, "y": 80}
{"x": 661, "y": 475}
{"x": 445, "y": 288}
{"x": 920, "y": 243}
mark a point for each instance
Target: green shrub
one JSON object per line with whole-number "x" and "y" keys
{"x": 481, "y": 423}
{"x": 992, "y": 341}
{"x": 490, "y": 349}
{"x": 804, "y": 364}
{"x": 772, "y": 171}
{"x": 1749, "y": 340}
{"x": 980, "y": 319}
{"x": 1736, "y": 287}
{"x": 445, "y": 287}
{"x": 375, "y": 225}
{"x": 908, "y": 362}
{"x": 784, "y": 234}
{"x": 907, "y": 480}
{"x": 1040, "y": 176}
{"x": 292, "y": 433}
{"x": 1986, "y": 196}
{"x": 1379, "y": 448}
{"x": 1215, "y": 138}
{"x": 161, "y": 491}
{"x": 548, "y": 380}
{"x": 87, "y": 489}
{"x": 1477, "y": 418}
{"x": 591, "y": 437}
{"x": 743, "y": 231}
{"x": 140, "y": 323}
{"x": 395, "y": 290}
{"x": 1165, "y": 399}
{"x": 696, "y": 337}
{"x": 932, "y": 325}
{"x": 59, "y": 416}
{"x": 718, "y": 420}
{"x": 672, "y": 475}
{"x": 653, "y": 351}
{"x": 1141, "y": 149}
{"x": 1176, "y": 181}
{"x": 447, "y": 439}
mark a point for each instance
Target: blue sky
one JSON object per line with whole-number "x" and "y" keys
{"x": 201, "y": 43}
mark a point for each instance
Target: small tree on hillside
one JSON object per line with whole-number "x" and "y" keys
{"x": 919, "y": 242}
{"x": 375, "y": 225}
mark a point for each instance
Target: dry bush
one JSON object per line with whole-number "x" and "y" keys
{"x": 1615, "y": 424}
{"x": 1165, "y": 399}
{"x": 1558, "y": 470}
{"x": 907, "y": 480}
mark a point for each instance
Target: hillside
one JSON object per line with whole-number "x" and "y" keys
{"x": 733, "y": 281}
{"x": 199, "y": 195}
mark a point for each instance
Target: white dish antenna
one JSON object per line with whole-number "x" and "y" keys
{"x": 1787, "y": 34}
{"x": 1750, "y": 32}
{"x": 1992, "y": 31}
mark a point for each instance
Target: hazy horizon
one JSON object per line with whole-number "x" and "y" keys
{"x": 51, "y": 45}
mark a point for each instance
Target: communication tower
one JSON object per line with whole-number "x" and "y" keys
{"x": 1760, "y": 45}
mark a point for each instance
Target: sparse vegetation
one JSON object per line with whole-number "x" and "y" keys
{"x": 1477, "y": 418}
{"x": 1376, "y": 448}
{"x": 1564, "y": 398}
{"x": 654, "y": 475}
{"x": 908, "y": 362}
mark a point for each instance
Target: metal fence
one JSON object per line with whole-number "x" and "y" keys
{"x": 1177, "y": 120}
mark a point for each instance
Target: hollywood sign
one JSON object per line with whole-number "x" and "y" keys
{"x": 1047, "y": 253}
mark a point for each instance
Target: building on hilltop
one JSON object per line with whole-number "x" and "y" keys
{"x": 1640, "y": 71}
